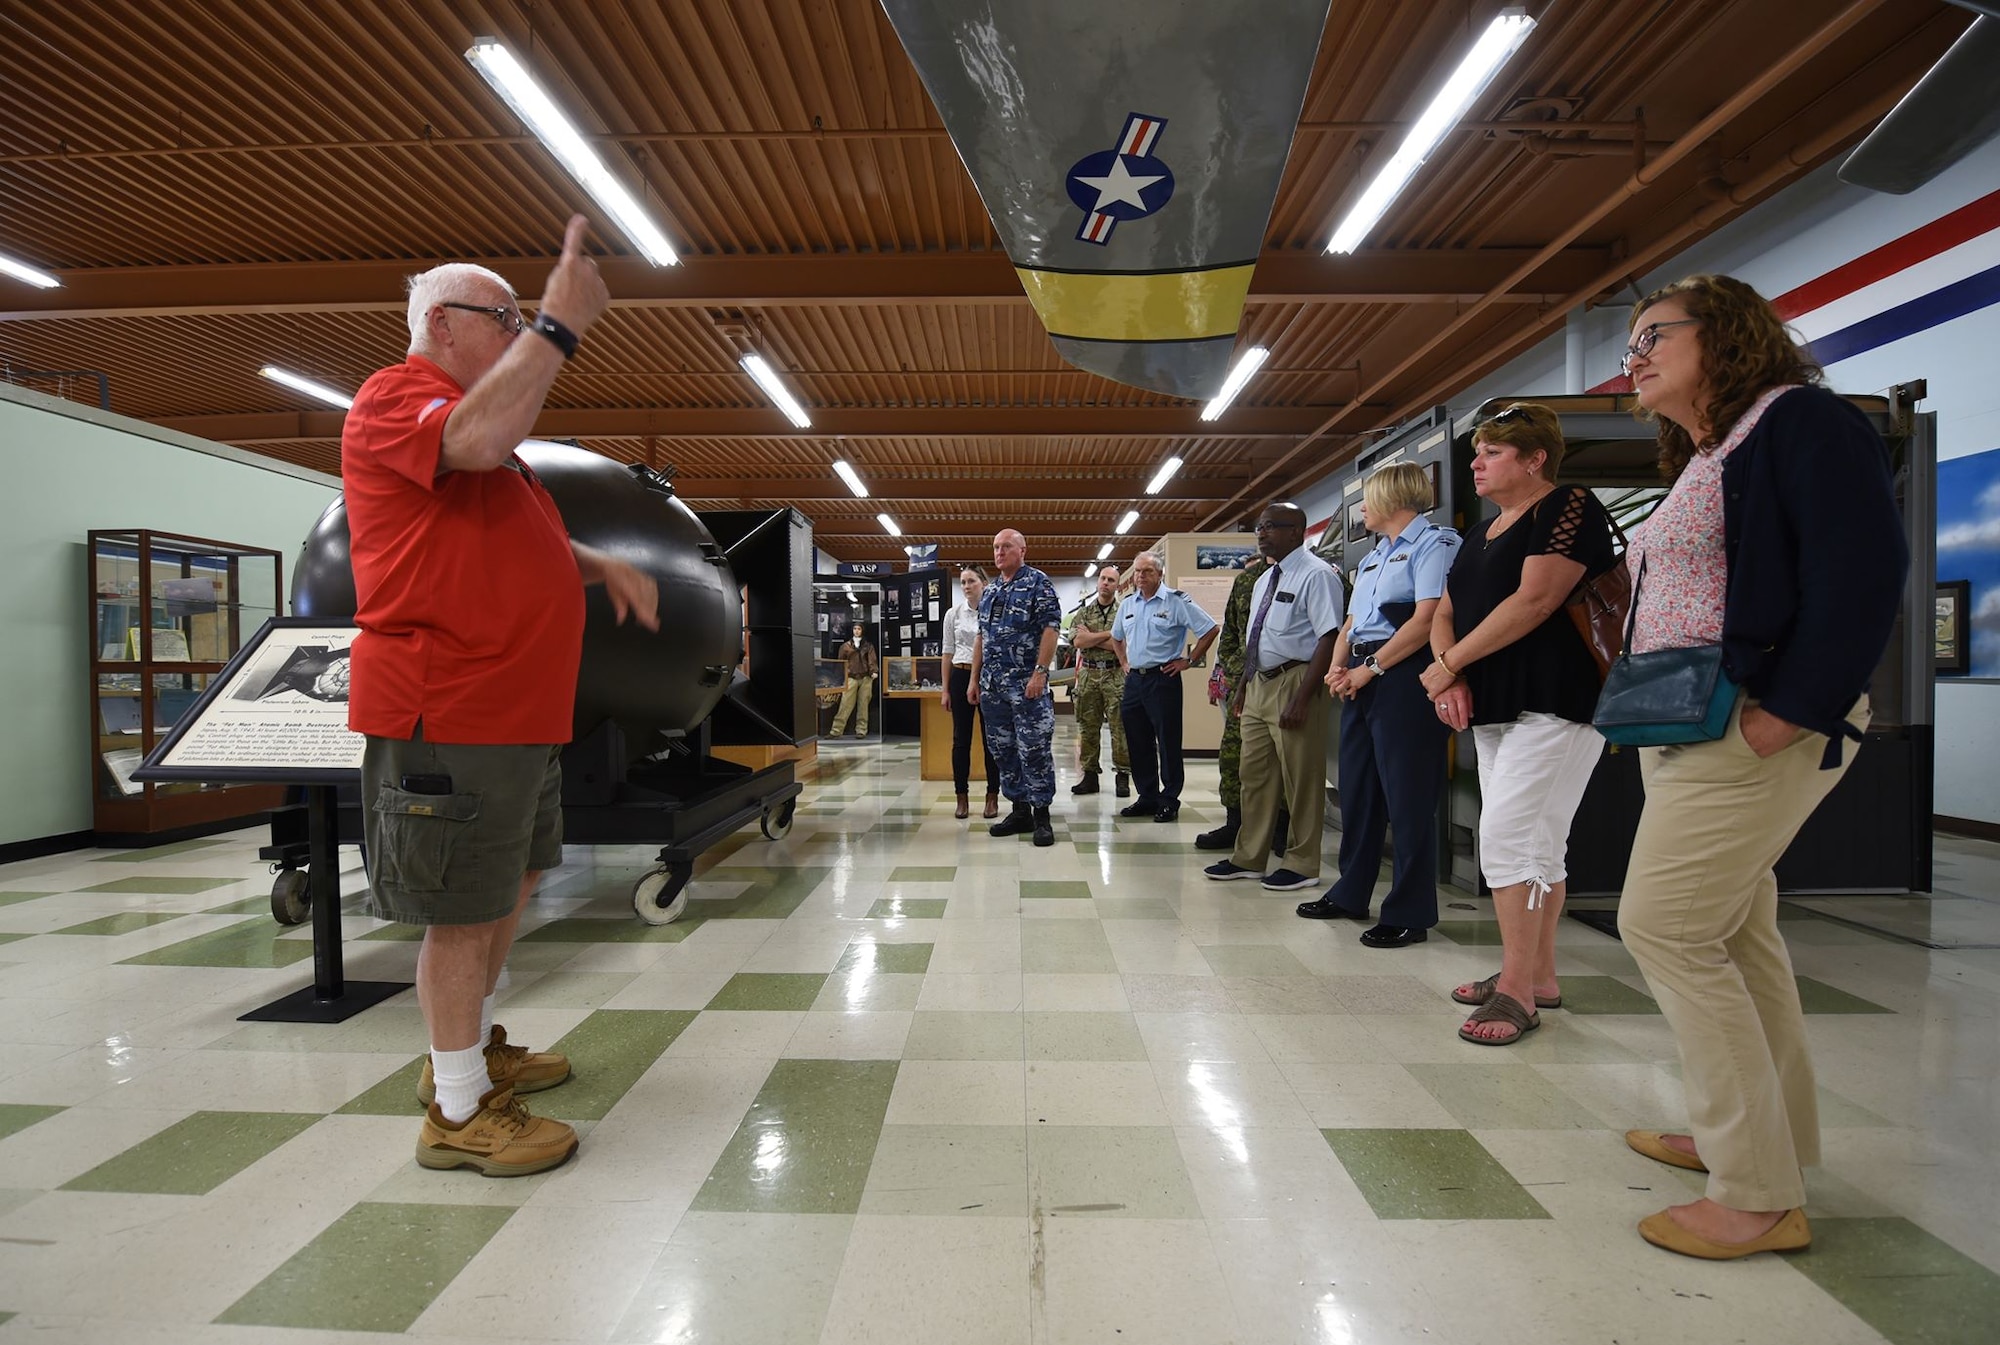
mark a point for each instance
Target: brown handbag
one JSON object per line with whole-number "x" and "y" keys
{"x": 1599, "y": 607}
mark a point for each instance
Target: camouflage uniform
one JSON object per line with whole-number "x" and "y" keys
{"x": 1013, "y": 613}
{"x": 1099, "y": 689}
{"x": 1229, "y": 653}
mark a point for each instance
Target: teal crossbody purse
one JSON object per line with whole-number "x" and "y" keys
{"x": 1667, "y": 697}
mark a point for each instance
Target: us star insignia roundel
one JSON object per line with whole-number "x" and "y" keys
{"x": 1123, "y": 183}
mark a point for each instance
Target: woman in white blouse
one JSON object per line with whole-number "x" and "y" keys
{"x": 961, "y": 629}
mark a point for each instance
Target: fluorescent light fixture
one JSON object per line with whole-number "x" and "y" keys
{"x": 20, "y": 270}
{"x": 532, "y": 104}
{"x": 846, "y": 473}
{"x": 291, "y": 380}
{"x": 1164, "y": 475}
{"x": 1248, "y": 363}
{"x": 1502, "y": 38}
{"x": 1104, "y": 552}
{"x": 774, "y": 388}
{"x": 888, "y": 525}
{"x": 1125, "y": 523}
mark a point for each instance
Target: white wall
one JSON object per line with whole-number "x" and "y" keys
{"x": 69, "y": 469}
{"x": 1808, "y": 230}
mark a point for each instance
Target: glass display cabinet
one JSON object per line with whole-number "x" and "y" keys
{"x": 166, "y": 613}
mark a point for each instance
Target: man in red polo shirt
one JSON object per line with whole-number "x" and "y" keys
{"x": 470, "y": 603}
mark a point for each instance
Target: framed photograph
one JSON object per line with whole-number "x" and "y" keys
{"x": 829, "y": 674}
{"x": 1212, "y": 557}
{"x": 1954, "y": 609}
{"x": 1357, "y": 531}
{"x": 902, "y": 674}
{"x": 1435, "y": 471}
{"x": 930, "y": 674}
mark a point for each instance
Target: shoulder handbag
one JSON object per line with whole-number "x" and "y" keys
{"x": 1667, "y": 697}
{"x": 1599, "y": 606}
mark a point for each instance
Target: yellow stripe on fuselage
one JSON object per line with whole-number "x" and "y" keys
{"x": 1172, "y": 306}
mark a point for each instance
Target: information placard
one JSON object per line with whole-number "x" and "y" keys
{"x": 277, "y": 713}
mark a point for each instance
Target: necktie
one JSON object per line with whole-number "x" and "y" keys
{"x": 1257, "y": 625}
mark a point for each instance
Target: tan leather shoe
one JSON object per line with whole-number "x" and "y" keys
{"x": 1790, "y": 1234}
{"x": 1653, "y": 1144}
{"x": 501, "y": 1139}
{"x": 526, "y": 1071}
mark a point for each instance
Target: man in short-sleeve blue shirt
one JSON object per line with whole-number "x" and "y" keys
{"x": 1151, "y": 634}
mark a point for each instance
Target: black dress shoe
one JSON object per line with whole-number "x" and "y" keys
{"x": 1392, "y": 936}
{"x": 1140, "y": 808}
{"x": 1326, "y": 909}
{"x": 1013, "y": 824}
{"x": 1167, "y": 813}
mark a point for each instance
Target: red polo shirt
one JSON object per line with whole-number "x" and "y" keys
{"x": 470, "y": 604}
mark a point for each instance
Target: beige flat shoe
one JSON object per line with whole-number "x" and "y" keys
{"x": 1790, "y": 1234}
{"x": 1653, "y": 1144}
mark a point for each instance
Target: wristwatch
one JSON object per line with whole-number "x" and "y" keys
{"x": 563, "y": 337}
{"x": 1040, "y": 668}
{"x": 1371, "y": 665}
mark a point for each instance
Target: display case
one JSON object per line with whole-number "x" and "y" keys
{"x": 166, "y": 613}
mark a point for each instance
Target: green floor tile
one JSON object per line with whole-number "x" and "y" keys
{"x": 18, "y": 1116}
{"x": 625, "y": 929}
{"x": 10, "y": 938}
{"x": 1604, "y": 994}
{"x": 394, "y": 1096}
{"x": 609, "y": 1051}
{"x": 880, "y": 957}
{"x": 150, "y": 852}
{"x": 10, "y": 898}
{"x": 1042, "y": 888}
{"x": 1430, "y": 1174}
{"x": 257, "y": 905}
{"x": 1084, "y": 847}
{"x": 194, "y": 1156}
{"x": 179, "y": 885}
{"x": 124, "y": 922}
{"x": 806, "y": 1144}
{"x": 1471, "y": 933}
{"x": 769, "y": 990}
{"x": 249, "y": 943}
{"x": 907, "y": 908}
{"x": 923, "y": 873}
{"x": 1819, "y": 997}
{"x": 375, "y": 1269}
{"x": 1907, "y": 1284}
{"x": 772, "y": 894}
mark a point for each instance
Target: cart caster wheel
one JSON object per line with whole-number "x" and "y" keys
{"x": 291, "y": 898}
{"x": 776, "y": 824}
{"x": 660, "y": 897}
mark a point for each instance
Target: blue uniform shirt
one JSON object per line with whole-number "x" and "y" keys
{"x": 1013, "y": 613}
{"x": 1306, "y": 606}
{"x": 1410, "y": 568}
{"x": 1155, "y": 630}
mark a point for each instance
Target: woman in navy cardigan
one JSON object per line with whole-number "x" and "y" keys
{"x": 1781, "y": 541}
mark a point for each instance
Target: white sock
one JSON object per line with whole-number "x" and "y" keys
{"x": 486, "y": 1018}
{"x": 461, "y": 1081}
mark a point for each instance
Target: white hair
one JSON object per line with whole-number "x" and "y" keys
{"x": 454, "y": 282}
{"x": 1158, "y": 562}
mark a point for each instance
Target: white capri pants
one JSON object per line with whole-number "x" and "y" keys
{"x": 1532, "y": 774}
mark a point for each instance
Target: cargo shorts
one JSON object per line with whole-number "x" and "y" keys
{"x": 453, "y": 828}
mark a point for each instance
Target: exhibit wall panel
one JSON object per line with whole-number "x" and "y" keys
{"x": 69, "y": 469}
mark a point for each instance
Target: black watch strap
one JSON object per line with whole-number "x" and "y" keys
{"x": 564, "y": 338}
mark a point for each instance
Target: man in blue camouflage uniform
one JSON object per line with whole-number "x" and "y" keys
{"x": 1018, "y": 618}
{"x": 1100, "y": 686}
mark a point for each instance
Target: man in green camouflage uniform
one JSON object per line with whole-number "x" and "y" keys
{"x": 1229, "y": 654}
{"x": 1100, "y": 685}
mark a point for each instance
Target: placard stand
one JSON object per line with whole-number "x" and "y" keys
{"x": 277, "y": 714}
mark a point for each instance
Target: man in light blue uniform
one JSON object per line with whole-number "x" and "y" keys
{"x": 1018, "y": 618}
{"x": 1151, "y": 634}
{"x": 1392, "y": 743}
{"x": 1295, "y": 615}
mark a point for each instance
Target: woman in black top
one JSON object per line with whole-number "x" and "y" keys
{"x": 1510, "y": 665}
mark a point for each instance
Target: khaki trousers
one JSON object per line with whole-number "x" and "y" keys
{"x": 1700, "y": 916}
{"x": 1282, "y": 767}
{"x": 860, "y": 694}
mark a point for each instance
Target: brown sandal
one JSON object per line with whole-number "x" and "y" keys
{"x": 1483, "y": 991}
{"x": 1500, "y": 1009}
{"x": 963, "y": 809}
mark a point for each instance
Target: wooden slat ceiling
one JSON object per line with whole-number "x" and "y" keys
{"x": 224, "y": 184}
